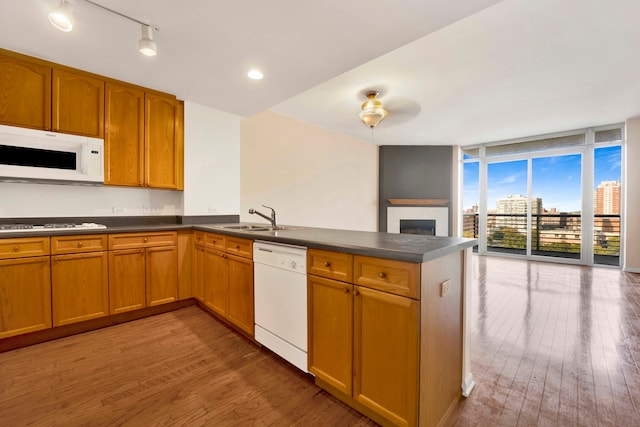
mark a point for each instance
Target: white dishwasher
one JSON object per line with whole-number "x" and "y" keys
{"x": 280, "y": 295}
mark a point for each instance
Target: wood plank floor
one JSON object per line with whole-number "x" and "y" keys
{"x": 553, "y": 345}
{"x": 182, "y": 368}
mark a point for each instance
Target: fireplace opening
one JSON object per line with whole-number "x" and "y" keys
{"x": 418, "y": 226}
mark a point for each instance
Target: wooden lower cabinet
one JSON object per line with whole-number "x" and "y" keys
{"x": 330, "y": 317}
{"x": 145, "y": 272}
{"x": 365, "y": 343}
{"x": 79, "y": 287}
{"x": 386, "y": 351}
{"x": 25, "y": 295}
{"x": 240, "y": 279}
{"x": 127, "y": 279}
{"x": 162, "y": 275}
{"x": 223, "y": 281}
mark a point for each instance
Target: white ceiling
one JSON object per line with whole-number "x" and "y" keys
{"x": 454, "y": 72}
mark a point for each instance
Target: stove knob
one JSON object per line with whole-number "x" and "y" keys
{"x": 293, "y": 264}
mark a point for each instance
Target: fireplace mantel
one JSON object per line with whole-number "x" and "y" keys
{"x": 419, "y": 202}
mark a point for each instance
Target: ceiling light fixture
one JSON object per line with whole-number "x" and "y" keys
{"x": 61, "y": 17}
{"x": 146, "y": 45}
{"x": 255, "y": 74}
{"x": 372, "y": 112}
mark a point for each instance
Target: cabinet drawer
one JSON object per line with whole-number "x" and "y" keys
{"x": 78, "y": 244}
{"x": 396, "y": 277}
{"x": 240, "y": 247}
{"x": 333, "y": 265}
{"x": 142, "y": 240}
{"x": 24, "y": 247}
{"x": 210, "y": 240}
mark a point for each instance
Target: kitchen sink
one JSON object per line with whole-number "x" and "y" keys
{"x": 245, "y": 227}
{"x": 250, "y": 227}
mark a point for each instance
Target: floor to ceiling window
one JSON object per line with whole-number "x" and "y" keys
{"x": 528, "y": 198}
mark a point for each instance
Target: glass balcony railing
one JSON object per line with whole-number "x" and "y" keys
{"x": 555, "y": 235}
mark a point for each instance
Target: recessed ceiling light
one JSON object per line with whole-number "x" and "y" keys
{"x": 255, "y": 74}
{"x": 61, "y": 17}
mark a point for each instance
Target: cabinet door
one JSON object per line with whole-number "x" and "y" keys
{"x": 127, "y": 277}
{"x": 386, "y": 354}
{"x": 161, "y": 146}
{"x": 199, "y": 263}
{"x": 25, "y": 295}
{"x": 25, "y": 93}
{"x": 162, "y": 275}
{"x": 240, "y": 276}
{"x": 78, "y": 103}
{"x": 79, "y": 287}
{"x": 331, "y": 332}
{"x": 124, "y": 135}
{"x": 216, "y": 294}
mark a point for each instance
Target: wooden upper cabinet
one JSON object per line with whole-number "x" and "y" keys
{"x": 162, "y": 151}
{"x": 78, "y": 103}
{"x": 25, "y": 93}
{"x": 124, "y": 135}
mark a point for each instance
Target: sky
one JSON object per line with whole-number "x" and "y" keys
{"x": 557, "y": 180}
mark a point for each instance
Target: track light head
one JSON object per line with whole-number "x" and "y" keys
{"x": 146, "y": 45}
{"x": 61, "y": 17}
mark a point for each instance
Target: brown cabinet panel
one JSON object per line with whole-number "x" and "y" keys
{"x": 79, "y": 287}
{"x": 162, "y": 275}
{"x": 142, "y": 240}
{"x": 240, "y": 247}
{"x": 185, "y": 264}
{"x": 162, "y": 151}
{"x": 240, "y": 271}
{"x": 386, "y": 354}
{"x": 332, "y": 265}
{"x": 77, "y": 244}
{"x": 124, "y": 135}
{"x": 216, "y": 292}
{"x": 126, "y": 280}
{"x": 397, "y": 277}
{"x": 330, "y": 317}
{"x": 25, "y": 93}
{"x": 78, "y": 103}
{"x": 199, "y": 265}
{"x": 25, "y": 295}
{"x": 24, "y": 247}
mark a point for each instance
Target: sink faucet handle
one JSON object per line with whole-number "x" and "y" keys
{"x": 273, "y": 211}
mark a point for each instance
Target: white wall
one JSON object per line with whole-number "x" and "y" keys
{"x": 632, "y": 197}
{"x": 48, "y": 200}
{"x": 211, "y": 161}
{"x": 310, "y": 175}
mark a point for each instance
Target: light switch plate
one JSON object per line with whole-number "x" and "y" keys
{"x": 445, "y": 288}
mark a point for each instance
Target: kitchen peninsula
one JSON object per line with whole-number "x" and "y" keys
{"x": 388, "y": 319}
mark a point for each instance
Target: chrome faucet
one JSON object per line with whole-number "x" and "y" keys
{"x": 271, "y": 219}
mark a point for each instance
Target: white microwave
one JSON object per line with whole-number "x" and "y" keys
{"x": 28, "y": 155}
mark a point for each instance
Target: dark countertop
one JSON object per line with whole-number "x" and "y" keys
{"x": 402, "y": 247}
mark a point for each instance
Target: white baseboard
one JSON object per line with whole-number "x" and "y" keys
{"x": 468, "y": 384}
{"x": 631, "y": 270}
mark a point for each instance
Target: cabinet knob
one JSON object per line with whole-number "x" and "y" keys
{"x": 145, "y": 240}
{"x": 327, "y": 264}
{"x": 355, "y": 292}
{"x": 238, "y": 247}
{"x": 382, "y": 275}
{"x": 346, "y": 290}
{"x": 141, "y": 251}
{"x": 80, "y": 244}
{"x": 16, "y": 248}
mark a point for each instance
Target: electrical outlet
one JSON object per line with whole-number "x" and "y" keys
{"x": 445, "y": 288}
{"x": 213, "y": 209}
{"x": 119, "y": 210}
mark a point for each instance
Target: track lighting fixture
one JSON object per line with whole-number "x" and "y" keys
{"x": 61, "y": 18}
{"x": 146, "y": 45}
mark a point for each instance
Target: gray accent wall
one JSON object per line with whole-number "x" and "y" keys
{"x": 413, "y": 172}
